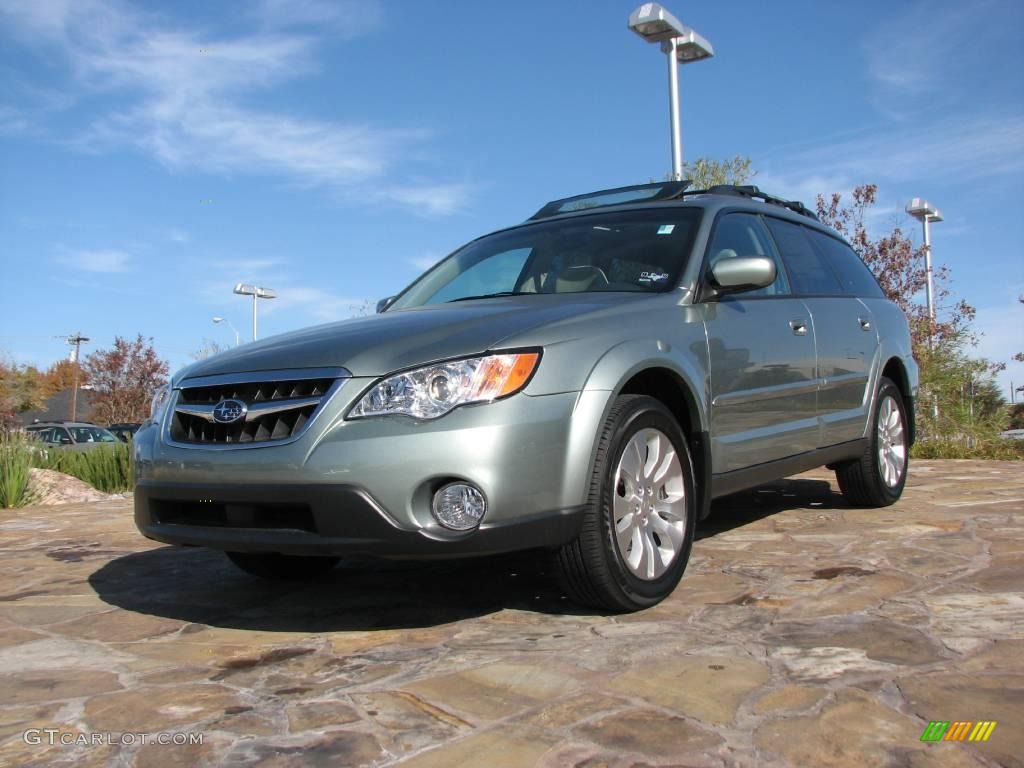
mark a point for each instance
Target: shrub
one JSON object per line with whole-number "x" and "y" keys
{"x": 105, "y": 468}
{"x": 993, "y": 448}
{"x": 15, "y": 461}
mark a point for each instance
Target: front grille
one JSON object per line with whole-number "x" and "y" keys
{"x": 276, "y": 409}
{"x": 214, "y": 514}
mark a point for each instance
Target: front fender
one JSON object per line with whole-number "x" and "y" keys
{"x": 608, "y": 378}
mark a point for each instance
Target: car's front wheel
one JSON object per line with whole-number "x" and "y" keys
{"x": 273, "y": 565}
{"x": 637, "y": 533}
{"x": 877, "y": 478}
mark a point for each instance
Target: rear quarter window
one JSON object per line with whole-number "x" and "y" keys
{"x": 855, "y": 277}
{"x": 810, "y": 273}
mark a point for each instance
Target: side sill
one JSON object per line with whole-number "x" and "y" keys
{"x": 759, "y": 474}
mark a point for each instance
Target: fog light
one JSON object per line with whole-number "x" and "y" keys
{"x": 459, "y": 506}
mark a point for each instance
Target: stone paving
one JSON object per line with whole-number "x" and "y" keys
{"x": 804, "y": 633}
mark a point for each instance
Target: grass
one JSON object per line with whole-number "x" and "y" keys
{"x": 15, "y": 461}
{"x": 106, "y": 468}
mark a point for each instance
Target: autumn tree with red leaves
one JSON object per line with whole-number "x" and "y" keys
{"x": 124, "y": 379}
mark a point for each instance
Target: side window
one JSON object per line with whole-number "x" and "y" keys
{"x": 810, "y": 274}
{"x": 853, "y": 273}
{"x": 60, "y": 435}
{"x": 743, "y": 234}
{"x": 499, "y": 272}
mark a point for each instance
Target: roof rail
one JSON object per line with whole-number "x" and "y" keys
{"x": 752, "y": 192}
{"x": 656, "y": 192}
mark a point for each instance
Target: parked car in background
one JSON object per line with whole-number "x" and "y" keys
{"x": 584, "y": 383}
{"x": 124, "y": 432}
{"x": 71, "y": 435}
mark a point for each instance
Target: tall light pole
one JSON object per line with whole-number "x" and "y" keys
{"x": 257, "y": 293}
{"x": 680, "y": 44}
{"x": 238, "y": 339}
{"x": 926, "y": 213}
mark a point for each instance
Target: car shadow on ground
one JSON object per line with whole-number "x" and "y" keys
{"x": 202, "y": 586}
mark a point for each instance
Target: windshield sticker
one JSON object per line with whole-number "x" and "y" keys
{"x": 666, "y": 229}
{"x": 653, "y": 277}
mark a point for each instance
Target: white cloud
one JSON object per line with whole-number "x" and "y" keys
{"x": 96, "y": 261}
{"x": 185, "y": 89}
{"x": 248, "y": 267}
{"x": 1002, "y": 327}
{"x": 432, "y": 199}
{"x": 176, "y": 235}
{"x": 424, "y": 262}
{"x": 969, "y": 150}
{"x": 316, "y": 303}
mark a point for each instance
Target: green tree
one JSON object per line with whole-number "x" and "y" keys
{"x": 20, "y": 390}
{"x": 209, "y": 349}
{"x": 706, "y": 172}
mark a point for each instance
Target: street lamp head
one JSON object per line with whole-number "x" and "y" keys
{"x": 266, "y": 293}
{"x": 692, "y": 47}
{"x": 922, "y": 210}
{"x": 654, "y": 24}
{"x": 245, "y": 290}
{"x": 218, "y": 319}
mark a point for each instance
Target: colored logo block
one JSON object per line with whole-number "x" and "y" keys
{"x": 958, "y": 730}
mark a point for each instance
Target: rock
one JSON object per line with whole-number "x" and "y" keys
{"x": 789, "y": 698}
{"x": 47, "y": 488}
{"x": 158, "y": 709}
{"x": 318, "y": 715}
{"x": 495, "y": 690}
{"x": 709, "y": 688}
{"x": 854, "y": 730}
{"x": 650, "y": 733}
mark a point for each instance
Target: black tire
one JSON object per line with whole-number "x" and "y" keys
{"x": 278, "y": 567}
{"x": 861, "y": 480}
{"x": 591, "y": 569}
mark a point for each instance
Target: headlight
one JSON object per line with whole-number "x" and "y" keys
{"x": 434, "y": 390}
{"x": 159, "y": 404}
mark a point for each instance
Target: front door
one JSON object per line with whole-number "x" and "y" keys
{"x": 762, "y": 359}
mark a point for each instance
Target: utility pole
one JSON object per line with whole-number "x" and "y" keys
{"x": 77, "y": 340}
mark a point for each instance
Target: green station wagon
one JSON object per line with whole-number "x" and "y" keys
{"x": 584, "y": 383}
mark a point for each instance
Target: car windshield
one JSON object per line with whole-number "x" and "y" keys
{"x": 92, "y": 435}
{"x": 630, "y": 251}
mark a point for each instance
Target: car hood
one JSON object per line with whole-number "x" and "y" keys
{"x": 379, "y": 344}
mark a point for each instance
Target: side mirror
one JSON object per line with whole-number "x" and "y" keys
{"x": 385, "y": 303}
{"x": 742, "y": 274}
{"x": 65, "y": 441}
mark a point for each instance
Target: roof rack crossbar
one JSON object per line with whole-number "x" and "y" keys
{"x": 752, "y": 192}
{"x": 659, "y": 191}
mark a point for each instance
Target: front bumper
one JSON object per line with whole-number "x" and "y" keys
{"x": 339, "y": 520}
{"x": 363, "y": 487}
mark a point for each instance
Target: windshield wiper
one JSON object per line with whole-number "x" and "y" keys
{"x": 491, "y": 295}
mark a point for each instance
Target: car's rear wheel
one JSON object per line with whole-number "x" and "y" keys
{"x": 637, "y": 533}
{"x": 273, "y": 565}
{"x": 877, "y": 478}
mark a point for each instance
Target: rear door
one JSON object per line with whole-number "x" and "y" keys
{"x": 844, "y": 333}
{"x": 761, "y": 349}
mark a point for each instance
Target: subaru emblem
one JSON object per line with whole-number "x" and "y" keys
{"x": 229, "y": 411}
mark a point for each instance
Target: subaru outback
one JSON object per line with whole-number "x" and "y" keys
{"x": 584, "y": 383}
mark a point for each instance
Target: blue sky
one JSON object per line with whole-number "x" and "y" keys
{"x": 347, "y": 145}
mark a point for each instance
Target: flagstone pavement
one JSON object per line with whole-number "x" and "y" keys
{"x": 804, "y": 633}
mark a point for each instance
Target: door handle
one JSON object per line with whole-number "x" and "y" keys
{"x": 865, "y": 323}
{"x": 799, "y": 327}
